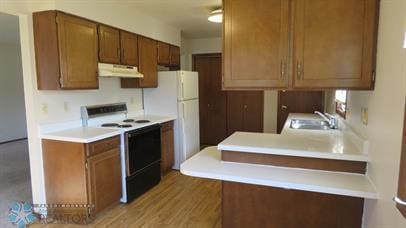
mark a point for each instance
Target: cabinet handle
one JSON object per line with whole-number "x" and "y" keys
{"x": 183, "y": 110}
{"x": 283, "y": 66}
{"x": 245, "y": 106}
{"x": 123, "y": 54}
{"x": 183, "y": 91}
{"x": 399, "y": 201}
{"x": 299, "y": 70}
{"x": 118, "y": 52}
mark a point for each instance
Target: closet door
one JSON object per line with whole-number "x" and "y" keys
{"x": 212, "y": 100}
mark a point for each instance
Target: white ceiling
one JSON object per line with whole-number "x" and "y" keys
{"x": 190, "y": 16}
{"x": 9, "y": 29}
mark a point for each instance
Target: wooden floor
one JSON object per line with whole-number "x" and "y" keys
{"x": 178, "y": 201}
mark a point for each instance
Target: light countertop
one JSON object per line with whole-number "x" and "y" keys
{"x": 326, "y": 144}
{"x": 208, "y": 164}
{"x": 95, "y": 132}
{"x": 82, "y": 134}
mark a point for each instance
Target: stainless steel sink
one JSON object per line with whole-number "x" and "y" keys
{"x": 310, "y": 124}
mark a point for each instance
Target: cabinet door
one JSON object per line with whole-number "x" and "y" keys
{"x": 163, "y": 53}
{"x": 174, "y": 56}
{"x": 77, "y": 40}
{"x": 109, "y": 45}
{"x": 104, "y": 174}
{"x": 245, "y": 111}
{"x": 129, "y": 48}
{"x": 147, "y": 51}
{"x": 253, "y": 111}
{"x": 334, "y": 43}
{"x": 255, "y": 48}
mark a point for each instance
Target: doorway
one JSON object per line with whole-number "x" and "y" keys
{"x": 14, "y": 157}
{"x": 298, "y": 102}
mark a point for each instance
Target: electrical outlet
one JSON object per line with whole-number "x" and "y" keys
{"x": 66, "y": 106}
{"x": 44, "y": 109}
{"x": 364, "y": 115}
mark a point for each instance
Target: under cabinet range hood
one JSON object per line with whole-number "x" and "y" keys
{"x": 119, "y": 71}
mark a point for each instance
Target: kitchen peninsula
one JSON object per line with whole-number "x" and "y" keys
{"x": 301, "y": 178}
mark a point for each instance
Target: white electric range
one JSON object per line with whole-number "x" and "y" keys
{"x": 140, "y": 147}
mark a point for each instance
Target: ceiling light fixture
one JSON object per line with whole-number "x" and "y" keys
{"x": 216, "y": 16}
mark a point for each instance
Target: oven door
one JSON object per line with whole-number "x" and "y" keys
{"x": 143, "y": 148}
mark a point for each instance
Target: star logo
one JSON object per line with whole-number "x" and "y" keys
{"x": 21, "y": 214}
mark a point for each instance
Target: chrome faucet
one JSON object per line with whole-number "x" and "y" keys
{"x": 332, "y": 120}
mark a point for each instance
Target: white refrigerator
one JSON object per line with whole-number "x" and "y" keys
{"x": 177, "y": 95}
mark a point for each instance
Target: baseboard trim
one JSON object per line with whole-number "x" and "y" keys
{"x": 13, "y": 140}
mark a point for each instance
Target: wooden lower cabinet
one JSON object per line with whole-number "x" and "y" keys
{"x": 246, "y": 205}
{"x": 84, "y": 174}
{"x": 167, "y": 145}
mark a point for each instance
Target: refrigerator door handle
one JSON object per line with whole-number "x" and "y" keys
{"x": 183, "y": 91}
{"x": 183, "y": 110}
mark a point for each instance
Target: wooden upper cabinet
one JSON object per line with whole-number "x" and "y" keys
{"x": 174, "y": 58}
{"x": 256, "y": 40}
{"x": 299, "y": 44}
{"x": 66, "y": 51}
{"x": 129, "y": 48}
{"x": 334, "y": 43}
{"x": 117, "y": 46}
{"x": 168, "y": 55}
{"x": 147, "y": 65}
{"x": 109, "y": 44}
{"x": 163, "y": 53}
{"x": 77, "y": 52}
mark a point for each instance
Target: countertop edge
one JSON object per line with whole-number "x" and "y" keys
{"x": 79, "y": 140}
{"x": 53, "y": 135}
{"x": 285, "y": 185}
{"x": 220, "y": 171}
{"x": 295, "y": 153}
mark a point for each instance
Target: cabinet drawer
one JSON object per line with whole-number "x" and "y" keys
{"x": 102, "y": 146}
{"x": 167, "y": 126}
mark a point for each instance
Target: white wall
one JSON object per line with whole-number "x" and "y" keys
{"x": 214, "y": 45}
{"x": 109, "y": 12}
{"x": 197, "y": 46}
{"x": 386, "y": 108}
{"x": 12, "y": 107}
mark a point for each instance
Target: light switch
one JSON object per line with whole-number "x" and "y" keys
{"x": 66, "y": 106}
{"x": 44, "y": 109}
{"x": 364, "y": 115}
